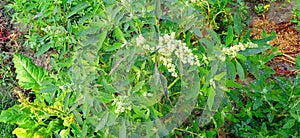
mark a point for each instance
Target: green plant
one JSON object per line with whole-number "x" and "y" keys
{"x": 261, "y": 9}
{"x": 37, "y": 118}
{"x": 6, "y": 101}
{"x": 296, "y": 12}
{"x": 53, "y": 24}
{"x": 6, "y": 95}
{"x": 280, "y": 100}
{"x": 142, "y": 69}
{"x": 218, "y": 14}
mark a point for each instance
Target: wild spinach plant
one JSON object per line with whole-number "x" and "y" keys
{"x": 121, "y": 78}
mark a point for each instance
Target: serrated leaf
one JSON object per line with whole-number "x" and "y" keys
{"x": 211, "y": 97}
{"x": 12, "y": 115}
{"x": 230, "y": 35}
{"x": 29, "y": 75}
{"x": 240, "y": 70}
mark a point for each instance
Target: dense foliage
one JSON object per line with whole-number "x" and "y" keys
{"x": 141, "y": 68}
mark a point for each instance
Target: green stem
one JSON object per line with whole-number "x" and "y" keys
{"x": 173, "y": 83}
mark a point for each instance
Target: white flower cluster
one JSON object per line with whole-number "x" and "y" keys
{"x": 54, "y": 30}
{"x": 232, "y": 51}
{"x": 168, "y": 45}
{"x": 121, "y": 104}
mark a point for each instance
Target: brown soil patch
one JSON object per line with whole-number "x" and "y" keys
{"x": 287, "y": 41}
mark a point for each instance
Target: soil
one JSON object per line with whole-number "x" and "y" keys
{"x": 11, "y": 39}
{"x": 288, "y": 37}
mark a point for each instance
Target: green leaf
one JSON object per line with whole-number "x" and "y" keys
{"x": 78, "y": 117}
{"x": 75, "y": 129}
{"x": 50, "y": 89}
{"x": 266, "y": 39}
{"x": 102, "y": 123}
{"x": 43, "y": 49}
{"x": 230, "y": 35}
{"x": 22, "y": 133}
{"x": 251, "y": 51}
{"x": 240, "y": 70}
{"x": 106, "y": 97}
{"x": 85, "y": 18}
{"x": 232, "y": 84}
{"x": 29, "y": 75}
{"x": 119, "y": 34}
{"x": 122, "y": 131}
{"x": 92, "y": 29}
{"x": 13, "y": 115}
{"x": 108, "y": 87}
{"x": 230, "y": 69}
{"x": 214, "y": 35}
{"x": 158, "y": 11}
{"x": 77, "y": 8}
{"x": 238, "y": 26}
{"x": 241, "y": 57}
{"x": 115, "y": 46}
{"x": 289, "y": 124}
{"x": 219, "y": 76}
{"x": 257, "y": 103}
{"x": 298, "y": 62}
{"x": 211, "y": 97}
{"x": 138, "y": 86}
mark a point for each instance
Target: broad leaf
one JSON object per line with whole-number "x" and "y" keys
{"x": 251, "y": 51}
{"x": 211, "y": 97}
{"x": 289, "y": 124}
{"x": 231, "y": 71}
{"x": 229, "y": 37}
{"x": 119, "y": 34}
{"x": 240, "y": 70}
{"x": 29, "y": 75}
{"x": 238, "y": 26}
